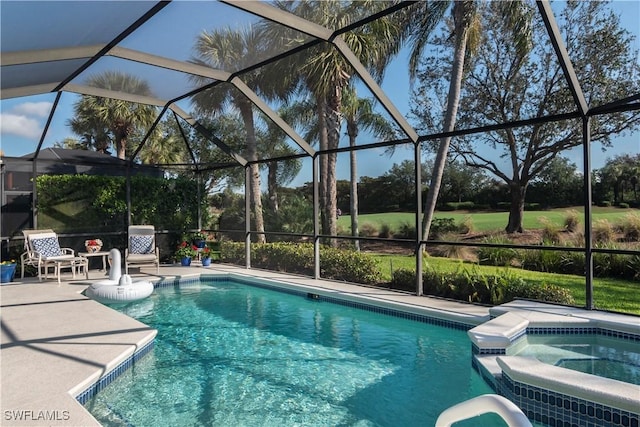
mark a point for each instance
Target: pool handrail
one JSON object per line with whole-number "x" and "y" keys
{"x": 500, "y": 405}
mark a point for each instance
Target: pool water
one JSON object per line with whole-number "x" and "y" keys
{"x": 229, "y": 354}
{"x": 607, "y": 357}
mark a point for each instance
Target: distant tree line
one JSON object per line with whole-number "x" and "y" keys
{"x": 559, "y": 185}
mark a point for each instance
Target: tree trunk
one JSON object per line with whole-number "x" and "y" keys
{"x": 254, "y": 183}
{"x": 334, "y": 121}
{"x": 453, "y": 99}
{"x": 323, "y": 143}
{"x": 272, "y": 186}
{"x": 516, "y": 211}
{"x": 352, "y": 130}
{"x": 121, "y": 146}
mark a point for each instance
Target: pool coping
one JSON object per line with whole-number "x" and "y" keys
{"x": 533, "y": 385}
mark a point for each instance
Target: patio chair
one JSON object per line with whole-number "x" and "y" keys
{"x": 142, "y": 249}
{"x": 43, "y": 251}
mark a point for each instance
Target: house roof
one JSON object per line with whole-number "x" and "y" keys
{"x": 67, "y": 161}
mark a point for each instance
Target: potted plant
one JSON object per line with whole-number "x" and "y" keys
{"x": 7, "y": 271}
{"x": 185, "y": 252}
{"x": 93, "y": 245}
{"x": 199, "y": 239}
{"x": 205, "y": 254}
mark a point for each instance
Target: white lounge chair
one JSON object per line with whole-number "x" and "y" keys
{"x": 142, "y": 249}
{"x": 43, "y": 251}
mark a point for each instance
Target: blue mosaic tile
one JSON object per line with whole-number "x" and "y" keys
{"x": 347, "y": 303}
{"x": 553, "y": 409}
{"x": 583, "y": 331}
{"x": 106, "y": 379}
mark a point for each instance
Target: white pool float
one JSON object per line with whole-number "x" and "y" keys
{"x": 118, "y": 288}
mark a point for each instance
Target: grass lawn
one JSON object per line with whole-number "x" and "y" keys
{"x": 489, "y": 221}
{"x": 608, "y": 294}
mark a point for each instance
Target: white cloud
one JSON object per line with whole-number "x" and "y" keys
{"x": 25, "y": 119}
{"x": 20, "y": 125}
{"x": 39, "y": 109}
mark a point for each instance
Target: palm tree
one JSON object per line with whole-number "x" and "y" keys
{"x": 324, "y": 72}
{"x": 164, "y": 146}
{"x": 104, "y": 119}
{"x": 464, "y": 13}
{"x": 466, "y": 34}
{"x": 359, "y": 115}
{"x": 228, "y": 49}
{"x": 273, "y": 144}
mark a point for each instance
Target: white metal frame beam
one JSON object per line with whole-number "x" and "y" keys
{"x": 297, "y": 23}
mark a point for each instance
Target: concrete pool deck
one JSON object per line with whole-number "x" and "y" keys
{"x": 56, "y": 342}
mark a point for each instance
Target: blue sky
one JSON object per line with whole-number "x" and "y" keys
{"x": 22, "y": 120}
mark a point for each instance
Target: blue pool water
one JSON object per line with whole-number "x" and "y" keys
{"x": 229, "y": 354}
{"x": 604, "y": 356}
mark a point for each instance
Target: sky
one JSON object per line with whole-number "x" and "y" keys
{"x": 22, "y": 120}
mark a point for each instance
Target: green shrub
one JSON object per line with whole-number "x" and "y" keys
{"x": 499, "y": 256}
{"x": 605, "y": 204}
{"x": 472, "y": 286}
{"x": 545, "y": 292}
{"x": 456, "y": 206}
{"x": 441, "y": 226}
{"x": 633, "y": 266}
{"x": 349, "y": 266}
{"x": 613, "y": 264}
{"x": 385, "y": 231}
{"x": 623, "y": 205}
{"x": 403, "y": 279}
{"x": 335, "y": 264}
{"x": 93, "y": 203}
{"x": 546, "y": 260}
{"x": 406, "y": 231}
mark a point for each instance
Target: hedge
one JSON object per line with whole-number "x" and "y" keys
{"x": 335, "y": 264}
{"x": 480, "y": 288}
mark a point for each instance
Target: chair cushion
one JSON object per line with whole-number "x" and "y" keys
{"x": 141, "y": 258}
{"x": 47, "y": 246}
{"x": 141, "y": 244}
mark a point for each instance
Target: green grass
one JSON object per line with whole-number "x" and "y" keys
{"x": 608, "y": 294}
{"x": 488, "y": 221}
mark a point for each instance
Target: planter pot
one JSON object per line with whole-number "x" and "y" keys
{"x": 206, "y": 262}
{"x": 93, "y": 249}
{"x": 7, "y": 272}
{"x": 185, "y": 262}
{"x": 199, "y": 243}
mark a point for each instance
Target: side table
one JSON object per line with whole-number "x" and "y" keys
{"x": 103, "y": 254}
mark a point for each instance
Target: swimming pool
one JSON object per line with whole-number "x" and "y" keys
{"x": 231, "y": 354}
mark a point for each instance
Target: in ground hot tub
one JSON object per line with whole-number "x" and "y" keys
{"x": 561, "y": 365}
{"x": 604, "y": 356}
